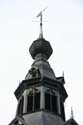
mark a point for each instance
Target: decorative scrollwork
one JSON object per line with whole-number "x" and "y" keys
{"x": 34, "y": 72}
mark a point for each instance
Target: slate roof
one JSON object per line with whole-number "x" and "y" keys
{"x": 70, "y": 121}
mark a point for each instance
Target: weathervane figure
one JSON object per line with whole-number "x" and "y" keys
{"x": 41, "y": 29}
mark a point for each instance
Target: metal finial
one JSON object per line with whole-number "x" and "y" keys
{"x": 72, "y": 114}
{"x": 41, "y": 24}
{"x": 63, "y": 73}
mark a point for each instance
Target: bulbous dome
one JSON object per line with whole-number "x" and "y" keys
{"x": 40, "y": 49}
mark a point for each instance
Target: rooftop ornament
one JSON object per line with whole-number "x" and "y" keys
{"x": 41, "y": 24}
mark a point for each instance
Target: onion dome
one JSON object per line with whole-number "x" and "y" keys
{"x": 40, "y": 49}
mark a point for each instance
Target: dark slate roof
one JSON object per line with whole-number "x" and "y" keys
{"x": 44, "y": 68}
{"x": 38, "y": 82}
{"x": 70, "y": 121}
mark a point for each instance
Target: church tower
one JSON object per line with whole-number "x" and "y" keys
{"x": 41, "y": 95}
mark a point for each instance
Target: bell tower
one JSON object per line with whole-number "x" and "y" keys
{"x": 41, "y": 95}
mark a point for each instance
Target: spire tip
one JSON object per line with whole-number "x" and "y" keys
{"x": 41, "y": 24}
{"x": 72, "y": 114}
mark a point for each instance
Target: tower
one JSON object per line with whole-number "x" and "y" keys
{"x": 41, "y": 95}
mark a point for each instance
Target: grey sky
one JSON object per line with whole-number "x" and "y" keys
{"x": 64, "y": 30}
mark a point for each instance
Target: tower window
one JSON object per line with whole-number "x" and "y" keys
{"x": 30, "y": 103}
{"x": 37, "y": 101}
{"x": 62, "y": 110}
{"x": 54, "y": 103}
{"x": 20, "y": 106}
{"x": 33, "y": 101}
{"x": 47, "y": 101}
{"x": 51, "y": 102}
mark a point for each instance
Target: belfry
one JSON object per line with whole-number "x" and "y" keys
{"x": 41, "y": 95}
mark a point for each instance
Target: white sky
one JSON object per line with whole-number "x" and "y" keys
{"x": 64, "y": 30}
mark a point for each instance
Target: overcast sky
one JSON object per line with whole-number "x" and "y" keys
{"x": 63, "y": 28}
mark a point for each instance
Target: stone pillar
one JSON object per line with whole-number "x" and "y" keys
{"x": 42, "y": 98}
{"x": 25, "y": 102}
{"x": 58, "y": 100}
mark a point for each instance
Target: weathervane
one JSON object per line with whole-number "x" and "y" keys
{"x": 41, "y": 29}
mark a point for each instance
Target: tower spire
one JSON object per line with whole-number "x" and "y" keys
{"x": 72, "y": 114}
{"x": 41, "y": 24}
